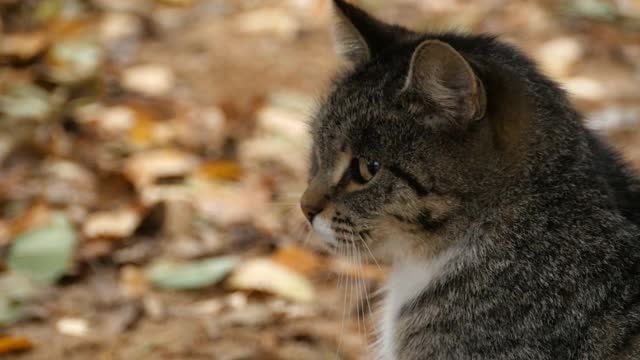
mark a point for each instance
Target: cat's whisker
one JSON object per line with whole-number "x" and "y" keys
{"x": 342, "y": 280}
{"x": 356, "y": 281}
{"x": 364, "y": 242}
{"x": 366, "y": 292}
{"x": 306, "y": 239}
{"x": 362, "y": 287}
{"x": 299, "y": 229}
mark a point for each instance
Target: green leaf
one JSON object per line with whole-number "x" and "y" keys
{"x": 192, "y": 275}
{"x": 10, "y": 312}
{"x": 25, "y": 101}
{"x": 17, "y": 287}
{"x": 44, "y": 254}
{"x": 75, "y": 60}
{"x": 596, "y": 9}
{"x": 15, "y": 290}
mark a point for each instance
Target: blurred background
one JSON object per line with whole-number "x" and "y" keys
{"x": 152, "y": 154}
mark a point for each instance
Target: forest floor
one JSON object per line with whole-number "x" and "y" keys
{"x": 152, "y": 154}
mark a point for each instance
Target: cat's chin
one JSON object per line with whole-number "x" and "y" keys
{"x": 322, "y": 228}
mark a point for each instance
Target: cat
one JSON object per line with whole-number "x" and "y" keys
{"x": 509, "y": 226}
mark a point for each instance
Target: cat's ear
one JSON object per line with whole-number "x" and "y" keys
{"x": 357, "y": 36}
{"x": 442, "y": 74}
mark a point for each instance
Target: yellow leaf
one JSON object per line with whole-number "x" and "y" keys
{"x": 298, "y": 259}
{"x": 9, "y": 344}
{"x": 142, "y": 131}
{"x": 220, "y": 170}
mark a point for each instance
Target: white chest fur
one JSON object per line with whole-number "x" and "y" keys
{"x": 407, "y": 280}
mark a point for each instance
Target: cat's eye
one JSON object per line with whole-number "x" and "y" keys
{"x": 362, "y": 170}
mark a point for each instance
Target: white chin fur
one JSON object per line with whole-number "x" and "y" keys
{"x": 323, "y": 228}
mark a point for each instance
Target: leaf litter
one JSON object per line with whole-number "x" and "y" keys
{"x": 152, "y": 154}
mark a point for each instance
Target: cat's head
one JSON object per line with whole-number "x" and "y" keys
{"x": 403, "y": 142}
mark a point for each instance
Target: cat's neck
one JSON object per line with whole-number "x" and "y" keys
{"x": 409, "y": 278}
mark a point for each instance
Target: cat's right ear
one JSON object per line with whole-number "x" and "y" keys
{"x": 357, "y": 36}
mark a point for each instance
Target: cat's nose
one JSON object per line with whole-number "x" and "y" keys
{"x": 314, "y": 199}
{"x": 310, "y": 212}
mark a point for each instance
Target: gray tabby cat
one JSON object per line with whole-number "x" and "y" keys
{"x": 509, "y": 226}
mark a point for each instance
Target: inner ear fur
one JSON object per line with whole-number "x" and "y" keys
{"x": 442, "y": 74}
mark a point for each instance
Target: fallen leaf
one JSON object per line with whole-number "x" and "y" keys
{"x": 629, "y": 8}
{"x": 73, "y": 327}
{"x": 219, "y": 170}
{"x": 283, "y": 122}
{"x": 45, "y": 253}
{"x": 270, "y": 20}
{"x": 146, "y": 129}
{"x": 15, "y": 291}
{"x": 177, "y": 2}
{"x": 559, "y": 56}
{"x": 269, "y": 276}
{"x": 116, "y": 26}
{"x": 17, "y": 287}
{"x": 37, "y": 215}
{"x": 145, "y": 167}
{"x": 111, "y": 121}
{"x": 23, "y": 46}
{"x": 133, "y": 281}
{"x": 148, "y": 79}
{"x": 25, "y": 101}
{"x": 154, "y": 308}
{"x": 190, "y": 275}
{"x": 298, "y": 259}
{"x": 115, "y": 224}
{"x": 232, "y": 204}
{"x": 597, "y": 9}
{"x": 584, "y": 88}
{"x": 123, "y": 318}
{"x": 11, "y": 344}
{"x": 74, "y": 60}
{"x": 10, "y": 311}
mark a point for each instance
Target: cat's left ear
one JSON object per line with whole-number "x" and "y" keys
{"x": 359, "y": 36}
{"x": 441, "y": 73}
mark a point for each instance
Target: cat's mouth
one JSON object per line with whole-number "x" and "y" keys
{"x": 339, "y": 232}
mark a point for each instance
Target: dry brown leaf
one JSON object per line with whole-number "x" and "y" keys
{"x": 133, "y": 281}
{"x": 269, "y": 276}
{"x": 11, "y": 344}
{"x": 62, "y": 29}
{"x": 37, "y": 215}
{"x": 144, "y": 168}
{"x": 237, "y": 203}
{"x": 23, "y": 46}
{"x": 298, "y": 259}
